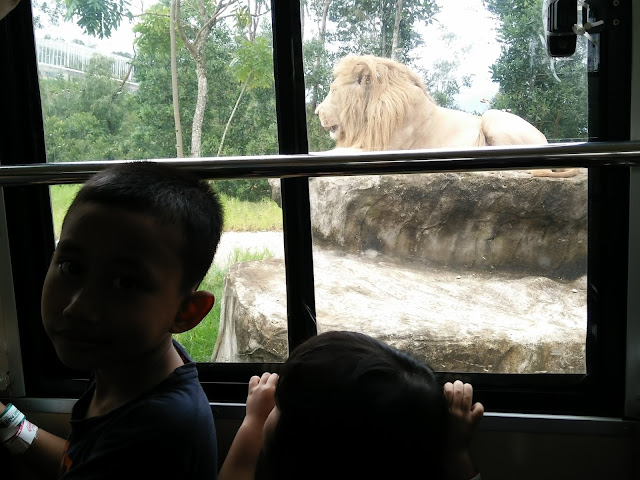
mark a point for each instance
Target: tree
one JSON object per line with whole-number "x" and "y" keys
{"x": 195, "y": 35}
{"x": 231, "y": 59}
{"x": 97, "y": 18}
{"x": 316, "y": 49}
{"x": 174, "y": 80}
{"x": 370, "y": 26}
{"x": 253, "y": 62}
{"x": 528, "y": 86}
{"x": 89, "y": 117}
{"x": 194, "y": 21}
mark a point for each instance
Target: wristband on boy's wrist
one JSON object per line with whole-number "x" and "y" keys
{"x": 10, "y": 422}
{"x": 16, "y": 432}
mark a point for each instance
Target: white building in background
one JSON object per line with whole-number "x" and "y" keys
{"x": 60, "y": 57}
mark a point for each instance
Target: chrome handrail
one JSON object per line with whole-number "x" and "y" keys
{"x": 555, "y": 155}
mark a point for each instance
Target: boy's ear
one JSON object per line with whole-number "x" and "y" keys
{"x": 193, "y": 309}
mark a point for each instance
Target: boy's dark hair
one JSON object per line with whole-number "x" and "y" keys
{"x": 354, "y": 407}
{"x": 171, "y": 195}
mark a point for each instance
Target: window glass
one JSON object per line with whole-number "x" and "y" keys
{"x": 392, "y": 254}
{"x": 114, "y": 89}
{"x": 470, "y": 271}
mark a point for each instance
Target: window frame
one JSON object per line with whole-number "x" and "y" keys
{"x": 601, "y": 391}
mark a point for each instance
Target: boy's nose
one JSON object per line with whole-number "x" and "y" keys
{"x": 82, "y": 306}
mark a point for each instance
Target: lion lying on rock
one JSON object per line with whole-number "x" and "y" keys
{"x": 378, "y": 104}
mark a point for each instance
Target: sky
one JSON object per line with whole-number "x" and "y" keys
{"x": 468, "y": 20}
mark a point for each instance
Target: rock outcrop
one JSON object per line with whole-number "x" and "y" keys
{"x": 455, "y": 321}
{"x": 481, "y": 271}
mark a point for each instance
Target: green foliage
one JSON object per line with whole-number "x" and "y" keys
{"x": 556, "y": 106}
{"x": 253, "y": 130}
{"x": 250, "y": 190}
{"x": 152, "y": 32}
{"x": 367, "y": 25}
{"x": 97, "y": 17}
{"x": 87, "y": 118}
{"x": 318, "y": 74}
{"x": 253, "y": 63}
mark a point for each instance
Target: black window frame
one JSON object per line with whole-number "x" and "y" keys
{"x": 599, "y": 392}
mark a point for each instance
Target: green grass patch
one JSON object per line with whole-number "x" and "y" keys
{"x": 61, "y": 198}
{"x": 199, "y": 342}
{"x": 239, "y": 215}
{"x": 242, "y": 216}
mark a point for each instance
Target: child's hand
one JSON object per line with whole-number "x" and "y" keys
{"x": 240, "y": 463}
{"x": 464, "y": 419}
{"x": 261, "y": 397}
{"x": 465, "y": 416}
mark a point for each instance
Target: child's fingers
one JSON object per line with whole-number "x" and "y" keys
{"x": 467, "y": 396}
{"x": 448, "y": 390}
{"x": 267, "y": 379}
{"x": 272, "y": 381}
{"x": 253, "y": 382}
{"x": 477, "y": 411}
{"x": 458, "y": 394}
{"x": 453, "y": 392}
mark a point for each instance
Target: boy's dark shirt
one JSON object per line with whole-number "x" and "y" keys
{"x": 167, "y": 433}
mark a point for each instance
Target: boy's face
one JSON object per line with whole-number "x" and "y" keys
{"x": 112, "y": 291}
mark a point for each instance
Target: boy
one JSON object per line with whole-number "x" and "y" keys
{"x": 345, "y": 406}
{"x": 135, "y": 244}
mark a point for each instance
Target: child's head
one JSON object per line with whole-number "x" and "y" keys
{"x": 135, "y": 243}
{"x": 171, "y": 197}
{"x": 350, "y": 406}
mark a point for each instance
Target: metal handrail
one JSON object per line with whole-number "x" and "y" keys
{"x": 556, "y": 155}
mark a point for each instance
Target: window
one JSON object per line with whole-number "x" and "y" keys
{"x": 534, "y": 267}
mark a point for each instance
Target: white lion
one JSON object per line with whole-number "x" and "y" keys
{"x": 379, "y": 104}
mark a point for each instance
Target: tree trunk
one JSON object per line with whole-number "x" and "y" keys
{"x": 396, "y": 31}
{"x": 174, "y": 81}
{"x": 556, "y": 124}
{"x": 233, "y": 112}
{"x": 201, "y": 104}
{"x": 196, "y": 49}
{"x": 323, "y": 32}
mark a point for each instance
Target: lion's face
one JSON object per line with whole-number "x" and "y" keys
{"x": 331, "y": 109}
{"x": 329, "y": 116}
{"x": 368, "y": 101}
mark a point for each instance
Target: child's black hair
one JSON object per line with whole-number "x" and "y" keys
{"x": 354, "y": 407}
{"x": 172, "y": 196}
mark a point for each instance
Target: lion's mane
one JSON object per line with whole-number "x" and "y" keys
{"x": 369, "y": 99}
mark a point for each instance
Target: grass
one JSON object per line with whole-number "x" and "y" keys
{"x": 61, "y": 197}
{"x": 240, "y": 216}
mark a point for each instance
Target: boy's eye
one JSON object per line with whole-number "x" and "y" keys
{"x": 68, "y": 267}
